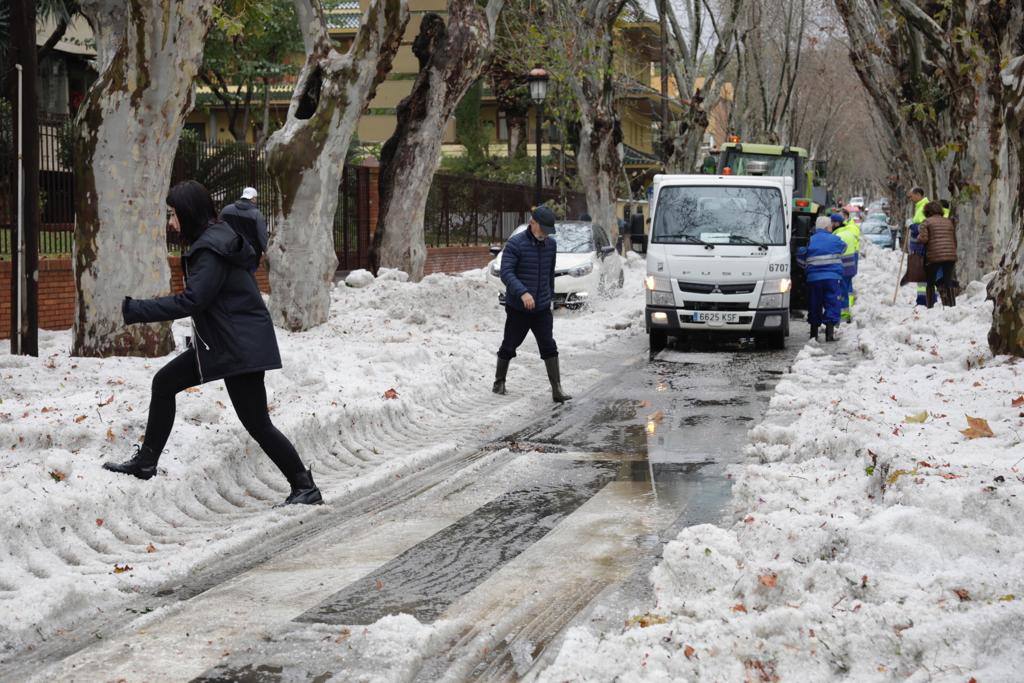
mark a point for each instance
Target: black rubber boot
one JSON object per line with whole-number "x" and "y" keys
{"x": 499, "y": 376}
{"x": 814, "y": 331}
{"x": 141, "y": 465}
{"x": 304, "y": 491}
{"x": 830, "y": 332}
{"x": 554, "y": 376}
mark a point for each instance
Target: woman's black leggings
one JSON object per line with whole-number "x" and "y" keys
{"x": 248, "y": 396}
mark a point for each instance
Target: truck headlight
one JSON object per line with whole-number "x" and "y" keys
{"x": 580, "y": 271}
{"x": 780, "y": 286}
{"x": 660, "y": 299}
{"x": 772, "y": 301}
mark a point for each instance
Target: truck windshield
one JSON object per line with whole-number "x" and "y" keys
{"x": 719, "y": 215}
{"x": 776, "y": 164}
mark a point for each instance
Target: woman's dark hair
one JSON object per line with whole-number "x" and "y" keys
{"x": 194, "y": 207}
{"x": 932, "y": 209}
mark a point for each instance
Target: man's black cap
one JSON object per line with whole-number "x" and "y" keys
{"x": 545, "y": 217}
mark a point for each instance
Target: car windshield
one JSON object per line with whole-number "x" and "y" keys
{"x": 574, "y": 238}
{"x": 570, "y": 238}
{"x": 720, "y": 215}
{"x": 880, "y": 217}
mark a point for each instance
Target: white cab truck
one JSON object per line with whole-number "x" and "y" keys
{"x": 718, "y": 258}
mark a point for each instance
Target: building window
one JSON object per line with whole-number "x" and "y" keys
{"x": 502, "y": 126}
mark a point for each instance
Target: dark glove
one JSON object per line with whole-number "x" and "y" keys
{"x": 125, "y": 310}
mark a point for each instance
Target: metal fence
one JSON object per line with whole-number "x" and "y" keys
{"x": 56, "y": 189}
{"x": 460, "y": 211}
{"x": 466, "y": 211}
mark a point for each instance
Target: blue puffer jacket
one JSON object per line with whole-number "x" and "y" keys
{"x": 822, "y": 257}
{"x": 528, "y": 265}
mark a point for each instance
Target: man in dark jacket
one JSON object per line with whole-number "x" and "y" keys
{"x": 248, "y": 221}
{"x": 528, "y": 272}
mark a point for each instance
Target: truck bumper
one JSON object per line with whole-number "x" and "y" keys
{"x": 679, "y": 321}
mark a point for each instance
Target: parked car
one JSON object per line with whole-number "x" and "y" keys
{"x": 878, "y": 232}
{"x": 857, "y": 201}
{"x": 586, "y": 265}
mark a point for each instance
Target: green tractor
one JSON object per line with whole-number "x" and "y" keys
{"x": 737, "y": 158}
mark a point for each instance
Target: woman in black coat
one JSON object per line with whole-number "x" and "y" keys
{"x": 232, "y": 339}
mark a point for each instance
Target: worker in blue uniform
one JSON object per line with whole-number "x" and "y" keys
{"x": 822, "y": 260}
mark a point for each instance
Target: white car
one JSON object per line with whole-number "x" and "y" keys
{"x": 857, "y": 201}
{"x": 586, "y": 264}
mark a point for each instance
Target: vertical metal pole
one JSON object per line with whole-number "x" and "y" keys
{"x": 664, "y": 80}
{"x": 540, "y": 116}
{"x": 21, "y": 213}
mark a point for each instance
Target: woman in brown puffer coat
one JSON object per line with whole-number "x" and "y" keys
{"x": 938, "y": 234}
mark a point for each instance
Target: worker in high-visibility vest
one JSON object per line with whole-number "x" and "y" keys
{"x": 849, "y": 232}
{"x": 917, "y": 196}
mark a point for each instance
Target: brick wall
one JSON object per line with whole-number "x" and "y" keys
{"x": 455, "y": 259}
{"x": 57, "y": 292}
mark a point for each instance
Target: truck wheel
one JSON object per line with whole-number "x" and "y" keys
{"x": 658, "y": 341}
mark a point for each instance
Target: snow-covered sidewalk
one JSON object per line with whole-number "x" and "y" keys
{"x": 877, "y": 531}
{"x": 76, "y": 540}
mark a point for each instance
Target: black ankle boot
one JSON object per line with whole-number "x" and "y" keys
{"x": 814, "y": 331}
{"x": 830, "y": 332}
{"x": 304, "y": 491}
{"x": 499, "y": 376}
{"x": 141, "y": 465}
{"x": 554, "y": 376}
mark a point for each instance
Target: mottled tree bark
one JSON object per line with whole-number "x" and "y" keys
{"x": 148, "y": 54}
{"x": 597, "y": 158}
{"x": 306, "y": 156}
{"x": 452, "y": 58}
{"x": 1007, "y": 288}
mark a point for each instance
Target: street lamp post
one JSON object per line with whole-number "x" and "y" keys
{"x": 538, "y": 81}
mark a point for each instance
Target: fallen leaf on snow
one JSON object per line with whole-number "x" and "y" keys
{"x": 122, "y": 568}
{"x": 1009, "y": 597}
{"x": 645, "y": 620}
{"x": 80, "y": 418}
{"x": 688, "y": 651}
{"x": 962, "y": 594}
{"x": 897, "y": 474}
{"x": 108, "y": 401}
{"x": 977, "y": 428}
{"x": 110, "y": 434}
{"x": 57, "y": 475}
{"x": 99, "y": 521}
{"x": 1017, "y": 402}
{"x": 150, "y": 548}
{"x": 391, "y": 394}
{"x": 739, "y": 607}
{"x": 768, "y": 580}
{"x": 917, "y": 417}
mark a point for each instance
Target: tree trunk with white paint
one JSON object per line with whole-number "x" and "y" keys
{"x": 452, "y": 58}
{"x": 148, "y": 54}
{"x": 306, "y": 156}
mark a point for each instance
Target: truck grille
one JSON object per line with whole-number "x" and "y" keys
{"x": 708, "y": 288}
{"x": 716, "y": 305}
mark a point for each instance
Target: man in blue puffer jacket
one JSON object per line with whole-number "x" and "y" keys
{"x": 528, "y": 273}
{"x": 822, "y": 259}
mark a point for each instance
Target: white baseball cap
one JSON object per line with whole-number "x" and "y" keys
{"x": 249, "y": 193}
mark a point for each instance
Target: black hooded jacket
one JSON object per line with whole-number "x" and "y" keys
{"x": 232, "y": 330}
